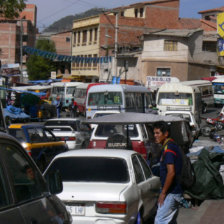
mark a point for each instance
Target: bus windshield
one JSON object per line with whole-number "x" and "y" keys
{"x": 105, "y": 98}
{"x": 58, "y": 90}
{"x": 219, "y": 89}
{"x": 71, "y": 90}
{"x": 180, "y": 99}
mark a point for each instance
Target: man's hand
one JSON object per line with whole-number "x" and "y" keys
{"x": 161, "y": 199}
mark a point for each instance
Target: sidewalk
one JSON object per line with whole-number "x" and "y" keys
{"x": 209, "y": 212}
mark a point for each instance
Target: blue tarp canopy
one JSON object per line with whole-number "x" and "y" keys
{"x": 24, "y": 91}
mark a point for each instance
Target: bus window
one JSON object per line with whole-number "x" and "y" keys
{"x": 71, "y": 90}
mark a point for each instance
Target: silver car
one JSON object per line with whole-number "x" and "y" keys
{"x": 106, "y": 186}
{"x": 71, "y": 130}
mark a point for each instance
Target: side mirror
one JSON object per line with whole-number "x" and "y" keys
{"x": 54, "y": 182}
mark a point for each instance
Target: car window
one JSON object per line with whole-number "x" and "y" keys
{"x": 91, "y": 169}
{"x": 35, "y": 135}
{"x": 110, "y": 129}
{"x": 27, "y": 182}
{"x": 4, "y": 195}
{"x": 71, "y": 123}
{"x": 50, "y": 137}
{"x": 18, "y": 134}
{"x": 139, "y": 176}
{"x": 145, "y": 167}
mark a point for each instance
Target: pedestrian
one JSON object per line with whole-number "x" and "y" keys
{"x": 170, "y": 171}
{"x": 58, "y": 106}
{"x": 73, "y": 108}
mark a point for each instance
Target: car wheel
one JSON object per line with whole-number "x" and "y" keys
{"x": 139, "y": 219}
{"x": 218, "y": 126}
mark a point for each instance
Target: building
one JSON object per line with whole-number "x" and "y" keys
{"x": 178, "y": 53}
{"x": 16, "y": 33}
{"x": 95, "y": 36}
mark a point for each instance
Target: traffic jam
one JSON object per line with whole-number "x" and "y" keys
{"x": 93, "y": 145}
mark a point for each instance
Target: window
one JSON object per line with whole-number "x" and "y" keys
{"x": 146, "y": 169}
{"x": 95, "y": 60}
{"x": 139, "y": 177}
{"x": 84, "y": 37}
{"x": 99, "y": 169}
{"x": 67, "y": 39}
{"x": 79, "y": 37}
{"x": 27, "y": 182}
{"x": 209, "y": 46}
{"x": 74, "y": 38}
{"x": 90, "y": 61}
{"x": 136, "y": 13}
{"x": 4, "y": 196}
{"x": 141, "y": 12}
{"x": 122, "y": 13}
{"x": 18, "y": 134}
{"x": 95, "y": 37}
{"x": 170, "y": 45}
{"x": 90, "y": 36}
{"x": 163, "y": 72}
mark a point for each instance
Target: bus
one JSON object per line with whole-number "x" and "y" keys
{"x": 206, "y": 90}
{"x": 65, "y": 90}
{"x": 179, "y": 97}
{"x": 81, "y": 94}
{"x": 124, "y": 98}
{"x": 218, "y": 87}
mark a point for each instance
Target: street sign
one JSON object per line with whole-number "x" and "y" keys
{"x": 221, "y": 47}
{"x": 53, "y": 75}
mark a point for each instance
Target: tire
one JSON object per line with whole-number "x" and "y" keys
{"x": 206, "y": 131}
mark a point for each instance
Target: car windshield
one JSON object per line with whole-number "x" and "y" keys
{"x": 174, "y": 99}
{"x": 105, "y": 130}
{"x": 91, "y": 169}
{"x": 18, "y": 134}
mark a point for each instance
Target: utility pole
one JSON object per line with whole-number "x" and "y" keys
{"x": 115, "y": 45}
{"x": 21, "y": 50}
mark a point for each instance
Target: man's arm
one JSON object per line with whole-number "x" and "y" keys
{"x": 169, "y": 180}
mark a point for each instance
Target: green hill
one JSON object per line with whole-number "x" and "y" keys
{"x": 65, "y": 23}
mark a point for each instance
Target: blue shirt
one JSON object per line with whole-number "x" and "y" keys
{"x": 171, "y": 155}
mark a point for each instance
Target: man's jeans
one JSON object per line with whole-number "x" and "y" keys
{"x": 167, "y": 213}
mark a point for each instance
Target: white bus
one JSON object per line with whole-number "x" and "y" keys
{"x": 176, "y": 96}
{"x": 218, "y": 88}
{"x": 124, "y": 98}
{"x": 65, "y": 90}
{"x": 206, "y": 90}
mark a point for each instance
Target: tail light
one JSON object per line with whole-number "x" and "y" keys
{"x": 112, "y": 208}
{"x": 142, "y": 149}
{"x": 68, "y": 138}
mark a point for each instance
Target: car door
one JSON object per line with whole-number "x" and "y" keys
{"x": 9, "y": 213}
{"x": 147, "y": 183}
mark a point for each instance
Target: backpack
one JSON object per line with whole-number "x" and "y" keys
{"x": 187, "y": 178}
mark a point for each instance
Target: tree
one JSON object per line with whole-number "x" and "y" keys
{"x": 39, "y": 68}
{"x": 11, "y": 8}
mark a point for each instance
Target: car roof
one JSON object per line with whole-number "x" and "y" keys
{"x": 116, "y": 153}
{"x": 64, "y": 119}
{"x": 26, "y": 125}
{"x": 132, "y": 118}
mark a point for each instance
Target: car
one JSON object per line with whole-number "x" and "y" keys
{"x": 71, "y": 130}
{"x": 137, "y": 134}
{"x": 39, "y": 142}
{"x": 106, "y": 186}
{"x": 187, "y": 115}
{"x": 26, "y": 197}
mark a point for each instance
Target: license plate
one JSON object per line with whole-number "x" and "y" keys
{"x": 76, "y": 210}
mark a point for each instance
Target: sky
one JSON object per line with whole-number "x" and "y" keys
{"x": 49, "y": 11}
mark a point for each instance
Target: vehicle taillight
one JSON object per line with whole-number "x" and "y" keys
{"x": 112, "y": 208}
{"x": 68, "y": 138}
{"x": 142, "y": 149}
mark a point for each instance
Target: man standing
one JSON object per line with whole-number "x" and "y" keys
{"x": 170, "y": 171}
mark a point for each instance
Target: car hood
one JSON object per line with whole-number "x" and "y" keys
{"x": 92, "y": 191}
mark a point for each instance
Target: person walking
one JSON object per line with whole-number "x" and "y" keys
{"x": 73, "y": 108}
{"x": 170, "y": 171}
{"x": 58, "y": 106}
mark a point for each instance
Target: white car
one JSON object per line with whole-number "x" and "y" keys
{"x": 187, "y": 115}
{"x": 106, "y": 186}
